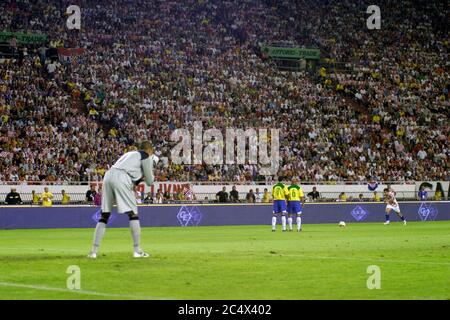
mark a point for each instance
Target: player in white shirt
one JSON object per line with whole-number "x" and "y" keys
{"x": 118, "y": 189}
{"x": 392, "y": 204}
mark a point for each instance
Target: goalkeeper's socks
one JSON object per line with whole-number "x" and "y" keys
{"x": 283, "y": 222}
{"x": 274, "y": 223}
{"x": 135, "y": 229}
{"x": 98, "y": 235}
{"x": 299, "y": 223}
{"x": 290, "y": 223}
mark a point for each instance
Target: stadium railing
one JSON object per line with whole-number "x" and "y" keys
{"x": 80, "y": 198}
{"x": 206, "y": 183}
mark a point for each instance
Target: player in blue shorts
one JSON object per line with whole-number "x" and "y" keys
{"x": 295, "y": 204}
{"x": 279, "y": 193}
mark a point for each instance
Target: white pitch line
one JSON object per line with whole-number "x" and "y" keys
{"x": 85, "y": 292}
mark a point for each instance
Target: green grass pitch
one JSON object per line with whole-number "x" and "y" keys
{"x": 239, "y": 262}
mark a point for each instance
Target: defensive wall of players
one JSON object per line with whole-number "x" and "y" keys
{"x": 23, "y": 217}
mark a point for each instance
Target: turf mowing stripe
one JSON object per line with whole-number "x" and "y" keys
{"x": 41, "y": 250}
{"x": 365, "y": 259}
{"x": 284, "y": 255}
{"x": 86, "y": 292}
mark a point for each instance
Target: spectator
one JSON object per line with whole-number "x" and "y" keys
{"x": 250, "y": 198}
{"x": 376, "y": 197}
{"x": 13, "y": 198}
{"x": 65, "y": 197}
{"x": 98, "y": 197}
{"x": 51, "y": 67}
{"x": 47, "y": 198}
{"x": 361, "y": 197}
{"x": 438, "y": 195}
{"x": 159, "y": 196}
{"x": 342, "y": 197}
{"x": 266, "y": 196}
{"x": 35, "y": 197}
{"x": 423, "y": 194}
{"x": 138, "y": 196}
{"x": 314, "y": 194}
{"x": 149, "y": 198}
{"x": 90, "y": 195}
{"x": 179, "y": 196}
{"x": 167, "y": 196}
{"x": 234, "y": 195}
{"x": 422, "y": 154}
{"x": 42, "y": 54}
{"x": 13, "y": 45}
{"x": 258, "y": 196}
{"x": 222, "y": 196}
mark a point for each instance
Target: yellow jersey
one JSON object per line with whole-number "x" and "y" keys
{"x": 65, "y": 199}
{"x": 295, "y": 193}
{"x": 36, "y": 198}
{"x": 47, "y": 199}
{"x": 266, "y": 197}
{"x": 280, "y": 192}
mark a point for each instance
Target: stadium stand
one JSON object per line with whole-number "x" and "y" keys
{"x": 139, "y": 69}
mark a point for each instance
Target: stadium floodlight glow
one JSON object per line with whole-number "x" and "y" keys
{"x": 189, "y": 216}
{"x": 359, "y": 213}
{"x": 427, "y": 212}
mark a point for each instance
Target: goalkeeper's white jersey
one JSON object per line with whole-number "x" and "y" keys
{"x": 138, "y": 165}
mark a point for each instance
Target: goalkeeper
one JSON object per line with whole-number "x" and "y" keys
{"x": 118, "y": 189}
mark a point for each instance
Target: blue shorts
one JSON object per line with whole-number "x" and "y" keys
{"x": 279, "y": 206}
{"x": 294, "y": 207}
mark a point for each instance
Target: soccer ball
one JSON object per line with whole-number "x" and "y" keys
{"x": 341, "y": 224}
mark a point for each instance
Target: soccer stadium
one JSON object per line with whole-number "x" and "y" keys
{"x": 224, "y": 150}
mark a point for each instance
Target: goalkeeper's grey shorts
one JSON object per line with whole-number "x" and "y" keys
{"x": 118, "y": 189}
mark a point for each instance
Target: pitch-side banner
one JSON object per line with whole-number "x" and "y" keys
{"x": 433, "y": 186}
{"x": 171, "y": 187}
{"x": 177, "y": 187}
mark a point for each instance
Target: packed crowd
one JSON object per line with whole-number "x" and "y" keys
{"x": 378, "y": 107}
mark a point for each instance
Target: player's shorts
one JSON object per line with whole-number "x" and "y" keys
{"x": 118, "y": 189}
{"x": 279, "y": 206}
{"x": 294, "y": 207}
{"x": 395, "y": 208}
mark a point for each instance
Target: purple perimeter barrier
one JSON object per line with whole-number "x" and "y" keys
{"x": 215, "y": 215}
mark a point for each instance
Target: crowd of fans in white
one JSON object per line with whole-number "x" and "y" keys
{"x": 378, "y": 107}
